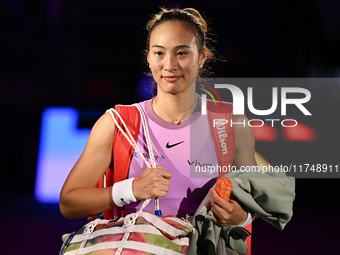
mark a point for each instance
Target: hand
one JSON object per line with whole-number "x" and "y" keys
{"x": 152, "y": 183}
{"x": 226, "y": 213}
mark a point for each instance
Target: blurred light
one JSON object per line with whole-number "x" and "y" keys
{"x": 101, "y": 88}
{"x": 61, "y": 144}
{"x": 144, "y": 87}
{"x": 265, "y": 132}
{"x": 300, "y": 132}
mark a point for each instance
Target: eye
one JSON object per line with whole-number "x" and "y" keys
{"x": 181, "y": 53}
{"x": 158, "y": 53}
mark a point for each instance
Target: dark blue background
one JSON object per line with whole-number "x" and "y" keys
{"x": 88, "y": 54}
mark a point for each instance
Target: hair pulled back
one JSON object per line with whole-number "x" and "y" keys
{"x": 194, "y": 22}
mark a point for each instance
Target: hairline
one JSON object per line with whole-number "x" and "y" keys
{"x": 187, "y": 27}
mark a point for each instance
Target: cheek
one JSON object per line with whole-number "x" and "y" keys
{"x": 154, "y": 66}
{"x": 191, "y": 66}
{"x": 192, "y": 70}
{"x": 155, "y": 70}
{"x": 155, "y": 73}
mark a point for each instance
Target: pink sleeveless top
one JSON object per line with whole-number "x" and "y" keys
{"x": 186, "y": 150}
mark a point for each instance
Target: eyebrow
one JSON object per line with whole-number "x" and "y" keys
{"x": 179, "y": 46}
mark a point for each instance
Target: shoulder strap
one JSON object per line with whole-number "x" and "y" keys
{"x": 223, "y": 137}
{"x": 121, "y": 148}
{"x": 222, "y": 132}
{"x": 122, "y": 151}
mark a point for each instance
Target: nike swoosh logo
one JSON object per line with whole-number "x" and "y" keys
{"x": 172, "y": 145}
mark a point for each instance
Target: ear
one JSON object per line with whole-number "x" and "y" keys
{"x": 203, "y": 57}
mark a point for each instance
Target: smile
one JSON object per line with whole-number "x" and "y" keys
{"x": 171, "y": 78}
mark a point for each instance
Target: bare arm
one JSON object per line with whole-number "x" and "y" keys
{"x": 244, "y": 143}
{"x": 233, "y": 213}
{"x": 79, "y": 197}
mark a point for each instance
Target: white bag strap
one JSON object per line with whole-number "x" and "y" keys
{"x": 131, "y": 140}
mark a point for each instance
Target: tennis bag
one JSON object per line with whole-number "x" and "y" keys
{"x": 136, "y": 233}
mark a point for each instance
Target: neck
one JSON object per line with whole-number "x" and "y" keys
{"x": 174, "y": 108}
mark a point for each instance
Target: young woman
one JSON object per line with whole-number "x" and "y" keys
{"x": 176, "y": 53}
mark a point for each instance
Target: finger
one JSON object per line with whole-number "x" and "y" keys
{"x": 214, "y": 219}
{"x": 162, "y": 191}
{"x": 218, "y": 211}
{"x": 218, "y": 215}
{"x": 215, "y": 194}
{"x": 236, "y": 204}
{"x": 165, "y": 182}
{"x": 146, "y": 172}
{"x": 164, "y": 188}
{"x": 164, "y": 173}
{"x": 157, "y": 190}
{"x": 212, "y": 198}
{"x": 215, "y": 197}
{"x": 161, "y": 176}
{"x": 215, "y": 208}
{"x": 218, "y": 222}
{"x": 217, "y": 200}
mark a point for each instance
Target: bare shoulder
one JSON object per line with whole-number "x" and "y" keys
{"x": 244, "y": 142}
{"x": 242, "y": 130}
{"x": 105, "y": 122}
{"x": 240, "y": 124}
{"x": 96, "y": 157}
{"x": 103, "y": 130}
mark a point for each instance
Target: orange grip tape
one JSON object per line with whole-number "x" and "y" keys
{"x": 223, "y": 188}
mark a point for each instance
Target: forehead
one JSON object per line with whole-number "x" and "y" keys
{"x": 172, "y": 33}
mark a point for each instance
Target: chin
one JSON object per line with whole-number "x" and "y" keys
{"x": 174, "y": 88}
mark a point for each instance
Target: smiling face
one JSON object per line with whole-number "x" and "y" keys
{"x": 173, "y": 57}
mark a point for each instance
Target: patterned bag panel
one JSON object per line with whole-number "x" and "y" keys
{"x": 137, "y": 233}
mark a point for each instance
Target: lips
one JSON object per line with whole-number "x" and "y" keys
{"x": 172, "y": 78}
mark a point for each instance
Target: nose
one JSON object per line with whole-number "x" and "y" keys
{"x": 170, "y": 63}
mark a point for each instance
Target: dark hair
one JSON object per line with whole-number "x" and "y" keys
{"x": 196, "y": 24}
